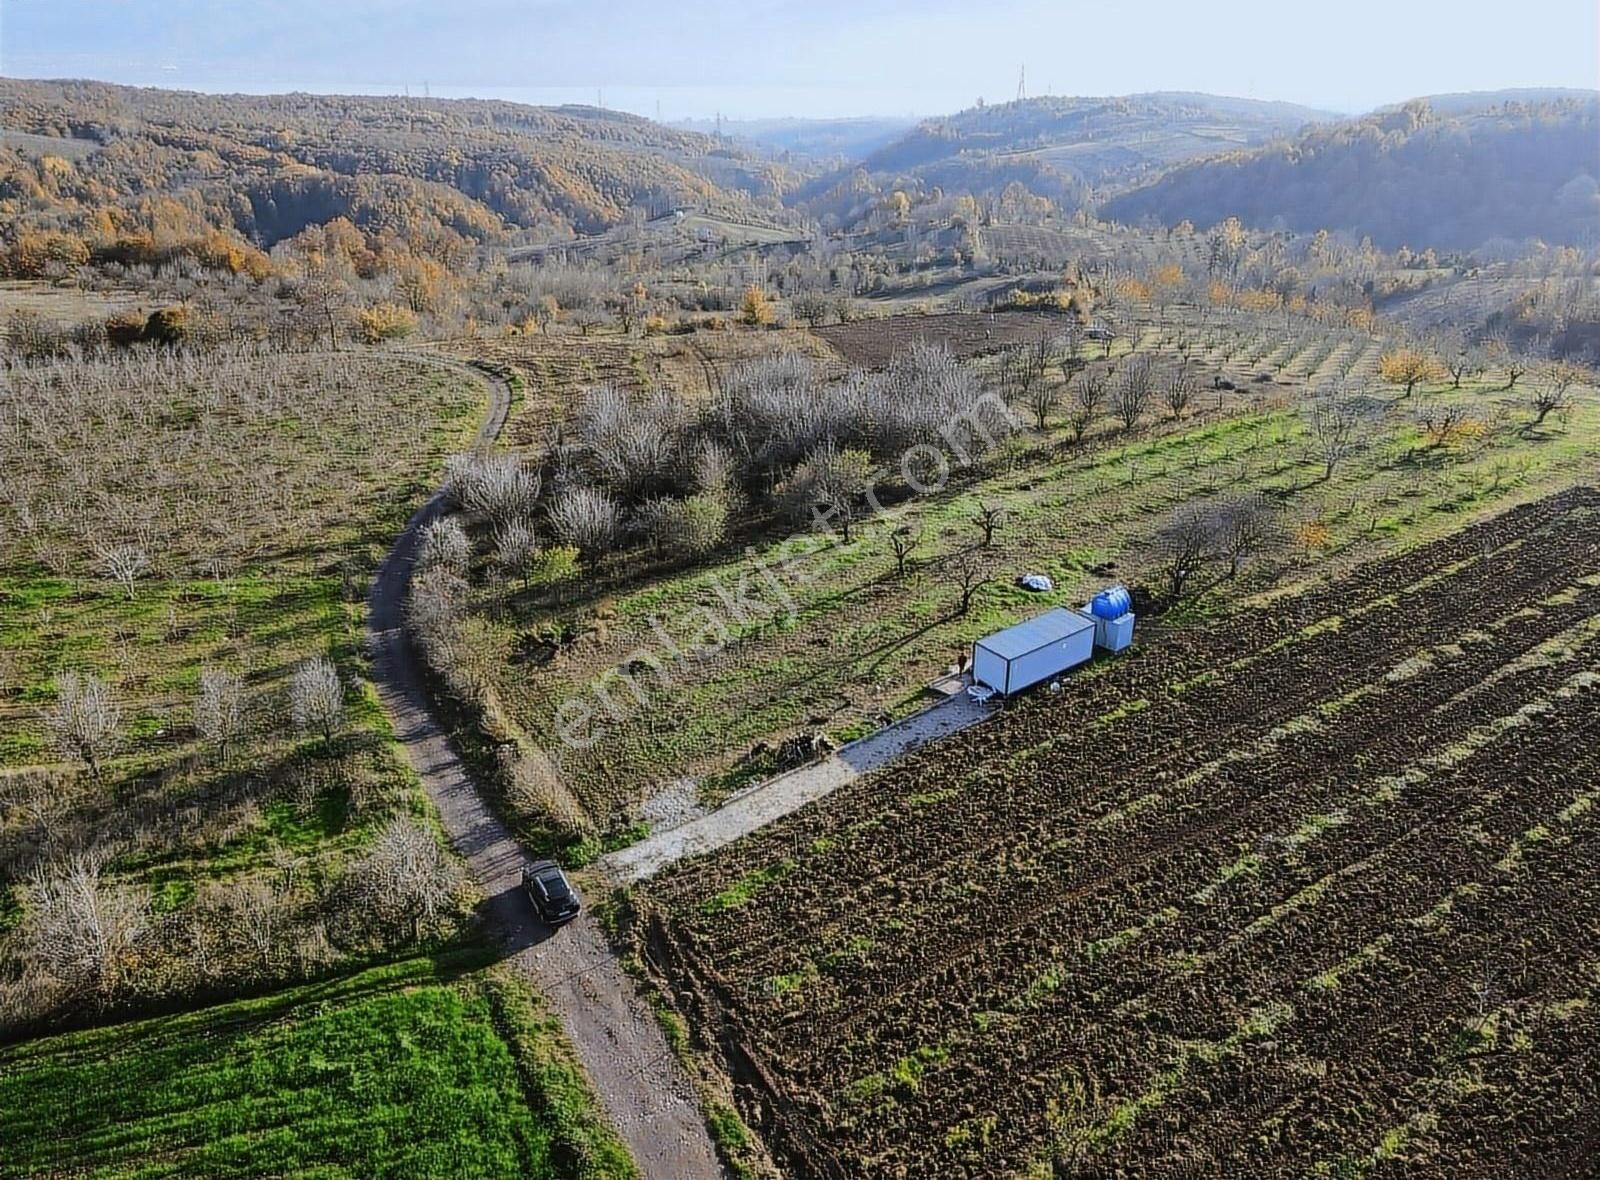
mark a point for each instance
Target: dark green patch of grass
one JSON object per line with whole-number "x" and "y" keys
{"x": 398, "y": 1071}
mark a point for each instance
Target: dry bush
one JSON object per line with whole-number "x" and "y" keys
{"x": 444, "y": 545}
{"x": 534, "y": 786}
{"x": 494, "y": 484}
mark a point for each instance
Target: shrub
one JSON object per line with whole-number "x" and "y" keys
{"x": 386, "y": 321}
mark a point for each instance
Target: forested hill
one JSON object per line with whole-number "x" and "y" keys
{"x": 1098, "y": 138}
{"x": 1066, "y": 149}
{"x": 1405, "y": 177}
{"x": 89, "y": 158}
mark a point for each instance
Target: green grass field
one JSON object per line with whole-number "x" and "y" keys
{"x": 409, "y": 1070}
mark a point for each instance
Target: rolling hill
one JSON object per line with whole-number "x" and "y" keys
{"x": 1405, "y": 177}
{"x": 266, "y": 167}
{"x": 1067, "y": 149}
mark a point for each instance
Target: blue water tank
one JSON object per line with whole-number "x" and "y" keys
{"x": 1112, "y": 603}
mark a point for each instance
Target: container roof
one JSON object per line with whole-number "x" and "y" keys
{"x": 1037, "y": 632}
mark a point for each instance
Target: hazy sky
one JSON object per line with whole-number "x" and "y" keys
{"x": 817, "y": 57}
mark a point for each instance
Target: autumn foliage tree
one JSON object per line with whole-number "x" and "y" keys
{"x": 1408, "y": 368}
{"x": 755, "y": 308}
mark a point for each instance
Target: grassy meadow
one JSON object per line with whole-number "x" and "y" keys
{"x": 414, "y": 1069}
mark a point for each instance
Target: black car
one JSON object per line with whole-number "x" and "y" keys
{"x": 551, "y": 893}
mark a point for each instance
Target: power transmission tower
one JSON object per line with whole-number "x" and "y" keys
{"x": 1022, "y": 83}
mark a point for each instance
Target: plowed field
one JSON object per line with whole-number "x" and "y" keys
{"x": 1312, "y": 891}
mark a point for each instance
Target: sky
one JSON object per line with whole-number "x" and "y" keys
{"x": 818, "y": 58}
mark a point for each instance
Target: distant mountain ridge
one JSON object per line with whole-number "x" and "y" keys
{"x": 1405, "y": 176}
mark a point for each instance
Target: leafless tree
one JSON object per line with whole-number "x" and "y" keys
{"x": 406, "y": 880}
{"x": 1089, "y": 399}
{"x": 970, "y": 570}
{"x": 1026, "y": 367}
{"x": 1042, "y": 400}
{"x": 444, "y": 545}
{"x": 1554, "y": 391}
{"x": 989, "y": 517}
{"x": 1333, "y": 424}
{"x": 1185, "y": 544}
{"x": 1244, "y": 526}
{"x": 1069, "y": 350}
{"x": 316, "y": 698}
{"x": 257, "y": 918}
{"x": 84, "y": 719}
{"x": 585, "y": 517}
{"x": 1180, "y": 391}
{"x": 904, "y": 541}
{"x": 1132, "y": 390}
{"x": 80, "y": 928}
{"x": 219, "y": 709}
{"x": 325, "y": 303}
{"x": 126, "y": 564}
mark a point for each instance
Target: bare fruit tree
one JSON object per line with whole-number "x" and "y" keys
{"x": 1042, "y": 400}
{"x": 407, "y": 880}
{"x": 1244, "y": 527}
{"x": 1025, "y": 368}
{"x": 219, "y": 710}
{"x": 989, "y": 517}
{"x": 125, "y": 564}
{"x": 970, "y": 571}
{"x": 1089, "y": 400}
{"x": 1185, "y": 544}
{"x": 84, "y": 719}
{"x": 1553, "y": 392}
{"x": 1132, "y": 391}
{"x": 80, "y": 928}
{"x": 1333, "y": 424}
{"x": 903, "y": 541}
{"x": 1180, "y": 391}
{"x": 316, "y": 698}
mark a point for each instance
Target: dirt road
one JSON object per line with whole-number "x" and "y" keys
{"x": 640, "y": 1084}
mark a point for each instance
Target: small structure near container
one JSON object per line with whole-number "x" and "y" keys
{"x": 1040, "y": 648}
{"x": 1112, "y": 611}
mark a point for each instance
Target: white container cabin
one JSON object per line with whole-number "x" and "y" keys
{"x": 1033, "y": 651}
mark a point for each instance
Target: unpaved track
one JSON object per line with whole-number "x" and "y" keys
{"x": 784, "y": 793}
{"x": 640, "y": 1084}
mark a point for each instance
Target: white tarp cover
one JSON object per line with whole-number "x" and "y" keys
{"x": 1037, "y": 582}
